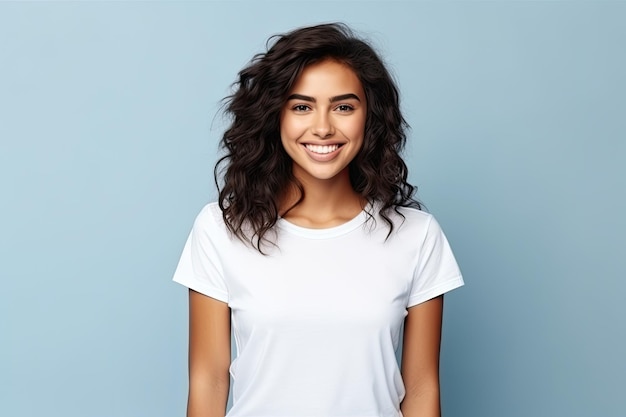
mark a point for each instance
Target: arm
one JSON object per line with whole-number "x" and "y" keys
{"x": 420, "y": 359}
{"x": 209, "y": 356}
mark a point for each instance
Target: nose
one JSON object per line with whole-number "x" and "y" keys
{"x": 322, "y": 126}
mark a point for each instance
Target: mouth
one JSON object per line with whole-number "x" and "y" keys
{"x": 322, "y": 149}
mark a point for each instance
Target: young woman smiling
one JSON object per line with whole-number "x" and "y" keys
{"x": 315, "y": 256}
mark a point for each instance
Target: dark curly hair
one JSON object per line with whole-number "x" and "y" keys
{"x": 258, "y": 170}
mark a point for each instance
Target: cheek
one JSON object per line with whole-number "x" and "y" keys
{"x": 290, "y": 128}
{"x": 354, "y": 128}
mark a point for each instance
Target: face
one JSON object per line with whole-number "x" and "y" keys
{"x": 322, "y": 123}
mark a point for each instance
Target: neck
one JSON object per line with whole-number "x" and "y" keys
{"x": 326, "y": 203}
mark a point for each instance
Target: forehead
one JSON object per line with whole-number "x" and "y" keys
{"x": 328, "y": 77}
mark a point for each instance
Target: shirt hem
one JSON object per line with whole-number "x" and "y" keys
{"x": 202, "y": 289}
{"x": 443, "y": 288}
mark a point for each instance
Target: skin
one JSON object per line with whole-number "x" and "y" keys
{"x": 209, "y": 356}
{"x": 326, "y": 107}
{"x": 420, "y": 359}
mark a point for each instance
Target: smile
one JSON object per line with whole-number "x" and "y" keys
{"x": 322, "y": 149}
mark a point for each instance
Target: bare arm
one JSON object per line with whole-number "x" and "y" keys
{"x": 420, "y": 359}
{"x": 209, "y": 356}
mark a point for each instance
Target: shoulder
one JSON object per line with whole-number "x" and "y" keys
{"x": 413, "y": 214}
{"x": 407, "y": 218}
{"x": 210, "y": 211}
{"x": 210, "y": 218}
{"x": 411, "y": 226}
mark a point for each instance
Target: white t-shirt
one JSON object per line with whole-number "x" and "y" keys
{"x": 318, "y": 319}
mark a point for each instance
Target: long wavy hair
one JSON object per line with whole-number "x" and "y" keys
{"x": 256, "y": 170}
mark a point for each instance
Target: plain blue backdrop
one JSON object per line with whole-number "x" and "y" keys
{"x": 109, "y": 133}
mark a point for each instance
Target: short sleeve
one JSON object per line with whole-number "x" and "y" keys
{"x": 437, "y": 271}
{"x": 199, "y": 267}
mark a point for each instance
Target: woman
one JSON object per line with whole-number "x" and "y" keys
{"x": 315, "y": 255}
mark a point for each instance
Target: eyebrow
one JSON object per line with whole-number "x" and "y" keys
{"x": 332, "y": 99}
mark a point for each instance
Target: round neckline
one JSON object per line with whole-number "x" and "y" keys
{"x": 324, "y": 233}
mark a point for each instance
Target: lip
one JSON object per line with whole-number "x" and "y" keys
{"x": 328, "y": 143}
{"x": 325, "y": 157}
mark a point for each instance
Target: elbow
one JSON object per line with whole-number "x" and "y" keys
{"x": 422, "y": 398}
{"x": 425, "y": 386}
{"x": 214, "y": 379}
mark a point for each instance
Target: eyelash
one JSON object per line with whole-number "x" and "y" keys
{"x": 303, "y": 107}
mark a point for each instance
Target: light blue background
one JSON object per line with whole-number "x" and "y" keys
{"x": 109, "y": 134}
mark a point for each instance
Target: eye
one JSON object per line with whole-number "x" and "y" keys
{"x": 345, "y": 108}
{"x": 301, "y": 108}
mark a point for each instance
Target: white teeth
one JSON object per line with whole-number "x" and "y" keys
{"x": 322, "y": 148}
